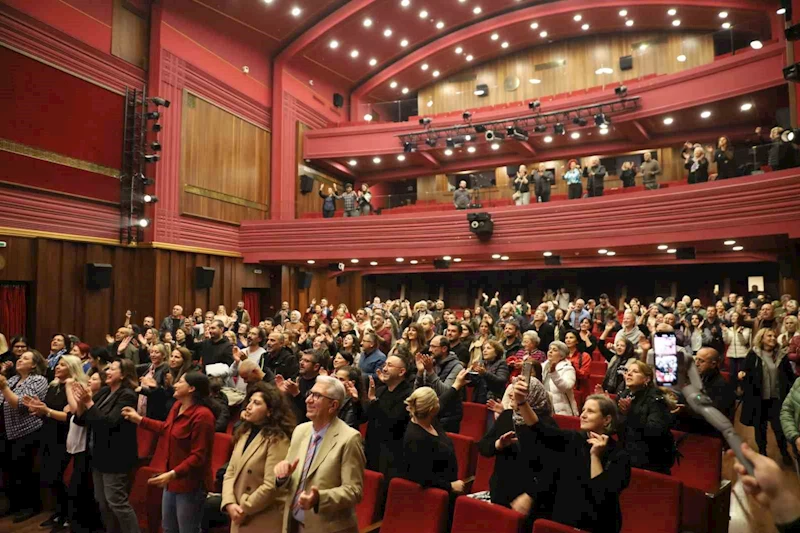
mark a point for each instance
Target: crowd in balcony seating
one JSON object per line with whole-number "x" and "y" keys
{"x": 292, "y": 395}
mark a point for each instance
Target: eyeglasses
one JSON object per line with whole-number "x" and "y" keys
{"x": 314, "y": 395}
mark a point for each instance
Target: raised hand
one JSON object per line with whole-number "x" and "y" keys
{"x": 520, "y": 391}
{"x": 371, "y": 392}
{"x": 168, "y": 379}
{"x": 505, "y": 440}
{"x": 598, "y": 443}
{"x": 461, "y": 379}
{"x": 350, "y": 387}
{"x": 495, "y": 406}
{"x": 291, "y": 387}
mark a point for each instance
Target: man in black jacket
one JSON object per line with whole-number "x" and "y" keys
{"x": 279, "y": 359}
{"x": 596, "y": 174}
{"x": 297, "y": 390}
{"x": 439, "y": 371}
{"x": 712, "y": 330}
{"x": 387, "y": 417}
{"x": 461, "y": 350}
{"x": 542, "y": 181}
{"x": 215, "y": 349}
{"x": 707, "y": 362}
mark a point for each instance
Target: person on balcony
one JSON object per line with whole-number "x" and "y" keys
{"x": 650, "y": 170}
{"x": 595, "y": 173}
{"x": 328, "y": 200}
{"x": 351, "y": 207}
{"x": 461, "y": 196}
{"x": 573, "y": 178}
{"x": 542, "y": 181}
{"x": 697, "y": 165}
{"x": 522, "y": 189}
{"x": 724, "y": 158}
{"x": 365, "y": 199}
{"x": 628, "y": 175}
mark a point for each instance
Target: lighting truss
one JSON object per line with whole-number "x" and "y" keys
{"x": 538, "y": 122}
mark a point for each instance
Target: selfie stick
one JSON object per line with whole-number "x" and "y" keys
{"x": 702, "y": 405}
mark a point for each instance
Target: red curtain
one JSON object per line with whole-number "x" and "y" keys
{"x": 13, "y": 310}
{"x": 252, "y": 303}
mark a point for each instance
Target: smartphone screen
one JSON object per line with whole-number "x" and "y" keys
{"x": 527, "y": 367}
{"x": 666, "y": 359}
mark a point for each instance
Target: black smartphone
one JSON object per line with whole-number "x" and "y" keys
{"x": 666, "y": 358}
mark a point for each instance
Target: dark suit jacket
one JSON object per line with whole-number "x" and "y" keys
{"x": 114, "y": 450}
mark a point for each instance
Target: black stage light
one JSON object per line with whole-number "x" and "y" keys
{"x": 160, "y": 101}
{"x": 424, "y": 121}
{"x": 431, "y": 141}
{"x": 480, "y": 128}
{"x": 156, "y": 127}
{"x": 600, "y": 119}
{"x": 792, "y": 73}
{"x": 152, "y": 115}
{"x": 621, "y": 91}
{"x": 559, "y": 129}
{"x": 793, "y": 33}
{"x": 540, "y": 128}
{"x": 146, "y": 182}
{"x": 790, "y": 136}
{"x": 466, "y": 115}
{"x": 518, "y": 133}
{"x": 579, "y": 121}
{"x": 155, "y": 146}
{"x": 492, "y": 135}
{"x": 536, "y": 104}
{"x": 481, "y": 225}
{"x": 409, "y": 147}
{"x": 150, "y": 199}
{"x": 152, "y": 158}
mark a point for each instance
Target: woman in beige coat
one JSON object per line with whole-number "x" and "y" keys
{"x": 249, "y": 495}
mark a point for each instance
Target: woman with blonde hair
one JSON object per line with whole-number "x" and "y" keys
{"x": 152, "y": 377}
{"x": 484, "y": 334}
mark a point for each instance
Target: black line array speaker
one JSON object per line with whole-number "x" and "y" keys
{"x": 304, "y": 280}
{"x": 686, "y": 253}
{"x": 203, "y": 277}
{"x": 98, "y": 276}
{"x": 553, "y": 260}
{"x": 306, "y": 184}
{"x": 626, "y": 63}
{"x": 338, "y": 100}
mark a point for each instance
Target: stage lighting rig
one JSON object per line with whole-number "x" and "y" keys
{"x": 155, "y": 146}
{"x": 151, "y": 158}
{"x": 425, "y": 121}
{"x": 792, "y": 73}
{"x": 150, "y": 199}
{"x": 517, "y": 133}
{"x": 579, "y": 121}
{"x": 409, "y": 147}
{"x": 536, "y": 104}
{"x": 559, "y": 129}
{"x": 431, "y": 141}
{"x": 540, "y": 128}
{"x": 621, "y": 91}
{"x": 600, "y": 119}
{"x": 159, "y": 101}
{"x": 156, "y": 127}
{"x": 152, "y": 115}
{"x": 467, "y": 115}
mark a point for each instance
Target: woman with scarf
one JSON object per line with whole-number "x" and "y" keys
{"x": 60, "y": 344}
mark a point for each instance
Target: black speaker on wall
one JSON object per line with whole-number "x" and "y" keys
{"x": 626, "y": 63}
{"x": 98, "y": 276}
{"x": 338, "y": 100}
{"x": 553, "y": 260}
{"x": 340, "y": 280}
{"x": 685, "y": 253}
{"x": 203, "y": 277}
{"x": 441, "y": 263}
{"x": 306, "y": 184}
{"x": 304, "y": 280}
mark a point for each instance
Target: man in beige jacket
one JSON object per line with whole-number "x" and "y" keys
{"x": 323, "y": 474}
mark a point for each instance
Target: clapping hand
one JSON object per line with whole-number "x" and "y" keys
{"x": 308, "y": 499}
{"x": 147, "y": 381}
{"x": 35, "y": 406}
{"x": 5, "y": 367}
{"x": 598, "y": 442}
{"x": 505, "y": 440}
{"x": 350, "y": 387}
{"x": 495, "y": 406}
{"x": 461, "y": 379}
{"x": 371, "y": 392}
{"x": 427, "y": 362}
{"x": 624, "y": 405}
{"x": 290, "y": 387}
{"x": 237, "y": 354}
{"x": 284, "y": 469}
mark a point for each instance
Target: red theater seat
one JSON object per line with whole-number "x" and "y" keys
{"x": 567, "y": 422}
{"x": 547, "y": 526}
{"x": 146, "y": 443}
{"x": 598, "y": 368}
{"x": 466, "y": 455}
{"x": 476, "y": 516}
{"x": 146, "y": 500}
{"x": 220, "y": 454}
{"x": 483, "y": 473}
{"x": 410, "y": 508}
{"x": 473, "y": 424}
{"x": 651, "y": 503}
{"x": 367, "y": 508}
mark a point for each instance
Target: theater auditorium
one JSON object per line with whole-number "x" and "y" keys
{"x": 569, "y": 302}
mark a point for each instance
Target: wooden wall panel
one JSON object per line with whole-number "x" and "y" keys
{"x": 18, "y": 258}
{"x": 311, "y": 202}
{"x": 130, "y": 34}
{"x": 583, "y": 57}
{"x": 350, "y": 292}
{"x": 225, "y": 163}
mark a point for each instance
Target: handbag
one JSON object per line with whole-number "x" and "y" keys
{"x": 516, "y": 196}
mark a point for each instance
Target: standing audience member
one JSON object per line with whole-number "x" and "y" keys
{"x": 372, "y": 358}
{"x": 529, "y": 350}
{"x": 439, "y": 371}
{"x": 60, "y": 344}
{"x": 457, "y": 345}
{"x": 697, "y": 165}
{"x": 297, "y": 391}
{"x": 522, "y": 194}
{"x": 279, "y": 359}
{"x": 173, "y": 322}
{"x": 249, "y": 494}
{"x": 152, "y": 384}
{"x": 628, "y": 175}
{"x": 542, "y": 182}
{"x": 737, "y": 338}
{"x": 216, "y": 348}
{"x": 724, "y": 158}
{"x": 351, "y": 208}
{"x": 558, "y": 378}
{"x": 650, "y": 170}
{"x": 573, "y": 178}
{"x": 183, "y": 453}
{"x": 461, "y": 196}
{"x": 489, "y": 374}
{"x": 596, "y": 174}
{"x": 22, "y": 432}
{"x": 328, "y": 200}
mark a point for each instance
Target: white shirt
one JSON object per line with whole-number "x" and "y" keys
{"x": 76, "y": 438}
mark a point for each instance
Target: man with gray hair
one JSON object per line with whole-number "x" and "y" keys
{"x": 323, "y": 473}
{"x": 596, "y": 174}
{"x": 461, "y": 196}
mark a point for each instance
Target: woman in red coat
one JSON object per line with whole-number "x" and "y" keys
{"x": 183, "y": 452}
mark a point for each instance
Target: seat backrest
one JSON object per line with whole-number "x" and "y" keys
{"x": 483, "y": 473}
{"x": 567, "y": 422}
{"x": 598, "y": 368}
{"x": 466, "y": 454}
{"x": 473, "y": 423}
{"x": 476, "y": 516}
{"x": 146, "y": 500}
{"x": 548, "y": 526}
{"x": 652, "y": 503}
{"x": 145, "y": 442}
{"x": 367, "y": 508}
{"x": 220, "y": 454}
{"x": 700, "y": 466}
{"x": 409, "y": 507}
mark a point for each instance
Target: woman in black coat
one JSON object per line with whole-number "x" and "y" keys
{"x": 152, "y": 401}
{"x": 766, "y": 364}
{"x": 585, "y": 470}
{"x": 617, "y": 357}
{"x": 697, "y": 165}
{"x": 724, "y": 158}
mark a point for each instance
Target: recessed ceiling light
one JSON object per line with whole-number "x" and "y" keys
{"x": 726, "y": 25}
{"x": 429, "y": 103}
{"x": 404, "y": 42}
{"x": 672, "y": 12}
{"x": 435, "y": 73}
{"x": 373, "y": 62}
{"x": 423, "y": 14}
{"x": 585, "y": 27}
{"x": 603, "y": 131}
{"x": 352, "y": 162}
{"x": 469, "y": 57}
{"x": 376, "y": 160}
{"x": 401, "y": 157}
{"x": 781, "y": 11}
{"x": 504, "y": 45}
{"x": 547, "y": 254}
{"x": 663, "y": 247}
{"x": 548, "y": 139}
{"x": 705, "y": 114}
{"x": 439, "y": 25}
{"x": 495, "y": 146}
{"x": 310, "y": 261}
{"x": 756, "y": 45}
{"x": 424, "y": 66}
{"x": 446, "y": 258}
{"x": 456, "y": 260}
{"x": 643, "y": 47}
{"x": 495, "y": 36}
{"x": 676, "y": 22}
{"x": 575, "y": 135}
{"x": 737, "y": 248}
{"x": 405, "y": 90}
{"x": 448, "y": 152}
{"x": 629, "y": 23}
{"x": 723, "y": 14}
{"x": 623, "y": 13}
{"x": 543, "y": 34}
{"x": 354, "y": 53}
{"x": 611, "y": 254}
{"x": 477, "y": 10}
{"x": 535, "y": 81}
{"x": 368, "y": 117}
{"x": 682, "y": 58}
{"x": 746, "y": 106}
{"x": 387, "y": 32}
{"x": 471, "y": 149}
{"x": 296, "y": 11}
{"x": 534, "y": 25}
{"x": 602, "y": 251}
{"x": 668, "y": 121}
{"x": 504, "y": 258}
{"x": 496, "y": 256}
{"x": 729, "y": 243}
{"x": 354, "y": 261}
{"x": 413, "y": 261}
{"x": 373, "y": 263}
{"x": 459, "y": 50}
{"x": 367, "y": 22}
{"x": 672, "y": 251}
{"x": 334, "y": 44}
{"x": 393, "y": 84}
{"x": 399, "y": 259}
{"x": 577, "y": 18}
{"x": 405, "y": 3}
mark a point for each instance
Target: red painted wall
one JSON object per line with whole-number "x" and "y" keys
{"x": 86, "y": 20}
{"x": 318, "y": 96}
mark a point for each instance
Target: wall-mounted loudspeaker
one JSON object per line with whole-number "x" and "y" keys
{"x": 98, "y": 276}
{"x": 306, "y": 184}
{"x": 338, "y": 100}
{"x": 626, "y": 63}
{"x": 481, "y": 225}
{"x": 441, "y": 263}
{"x": 685, "y": 253}
{"x": 304, "y": 280}
{"x": 203, "y": 277}
{"x": 340, "y": 280}
{"x": 553, "y": 260}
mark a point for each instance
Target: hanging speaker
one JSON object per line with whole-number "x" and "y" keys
{"x": 203, "y": 277}
{"x": 685, "y": 253}
{"x": 441, "y": 263}
{"x": 338, "y": 100}
{"x": 553, "y": 260}
{"x": 304, "y": 280}
{"x": 98, "y": 276}
{"x": 626, "y": 63}
{"x": 306, "y": 184}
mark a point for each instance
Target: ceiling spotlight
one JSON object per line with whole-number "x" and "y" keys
{"x": 723, "y": 14}
{"x": 705, "y": 114}
{"x": 477, "y": 10}
{"x": 548, "y": 139}
{"x": 496, "y": 256}
{"x": 155, "y": 146}
{"x": 729, "y": 243}
{"x": 354, "y": 261}
{"x": 401, "y": 157}
{"x": 579, "y": 121}
{"x": 504, "y": 45}
{"x": 495, "y": 146}
{"x": 423, "y": 14}
{"x": 610, "y": 254}
{"x": 159, "y": 101}
{"x": 504, "y": 258}
{"x": 600, "y": 119}
{"x": 746, "y": 107}
{"x": 456, "y": 260}
{"x": 663, "y": 247}
{"x": 367, "y": 22}
{"x": 405, "y": 90}
{"x": 296, "y": 11}
{"x": 540, "y": 128}
{"x": 404, "y": 43}
{"x": 559, "y": 129}
{"x": 152, "y": 115}
{"x": 737, "y": 248}
{"x": 147, "y": 182}
{"x": 399, "y": 259}
{"x": 352, "y": 162}
{"x": 376, "y": 160}
{"x": 495, "y": 37}
{"x": 334, "y": 44}
{"x": 431, "y": 141}
{"x": 149, "y": 199}
{"x": 577, "y": 18}
{"x": 409, "y": 147}
{"x": 672, "y": 12}
{"x": 602, "y": 251}
{"x": 152, "y": 158}
{"x": 623, "y": 13}
{"x": 405, "y": 3}
{"x": 603, "y": 131}
{"x": 672, "y": 250}
{"x": 446, "y": 258}
{"x": 534, "y": 25}
{"x": 534, "y": 81}
{"x": 681, "y": 58}
{"x": 459, "y": 50}
{"x": 585, "y": 27}
{"x": 629, "y": 23}
{"x": 424, "y": 66}
{"x": 414, "y": 262}
{"x": 156, "y": 128}
{"x": 435, "y": 73}
{"x": 543, "y": 34}
{"x": 676, "y": 22}
{"x": 373, "y": 62}
{"x": 368, "y": 117}
{"x": 548, "y": 254}
{"x": 668, "y": 121}
{"x": 354, "y": 53}
{"x": 466, "y": 115}
{"x": 448, "y": 152}
{"x": 781, "y": 11}
{"x": 310, "y": 261}
{"x": 575, "y": 135}
{"x": 373, "y": 263}
{"x": 756, "y": 45}
{"x": 143, "y": 223}
{"x": 469, "y": 57}
{"x": 726, "y": 25}
{"x": 439, "y": 25}
{"x": 387, "y": 32}
{"x": 471, "y": 149}
{"x": 621, "y": 91}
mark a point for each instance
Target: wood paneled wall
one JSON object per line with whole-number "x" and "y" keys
{"x": 147, "y": 281}
{"x": 130, "y": 34}
{"x": 225, "y": 163}
{"x": 583, "y": 57}
{"x": 310, "y": 202}
{"x": 349, "y": 290}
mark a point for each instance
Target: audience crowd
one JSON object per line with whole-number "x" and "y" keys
{"x": 296, "y": 389}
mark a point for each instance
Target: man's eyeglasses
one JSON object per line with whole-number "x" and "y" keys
{"x": 314, "y": 395}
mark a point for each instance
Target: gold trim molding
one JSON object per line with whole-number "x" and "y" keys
{"x": 58, "y": 159}
{"x": 222, "y": 197}
{"x": 36, "y": 234}
{"x": 191, "y": 249}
